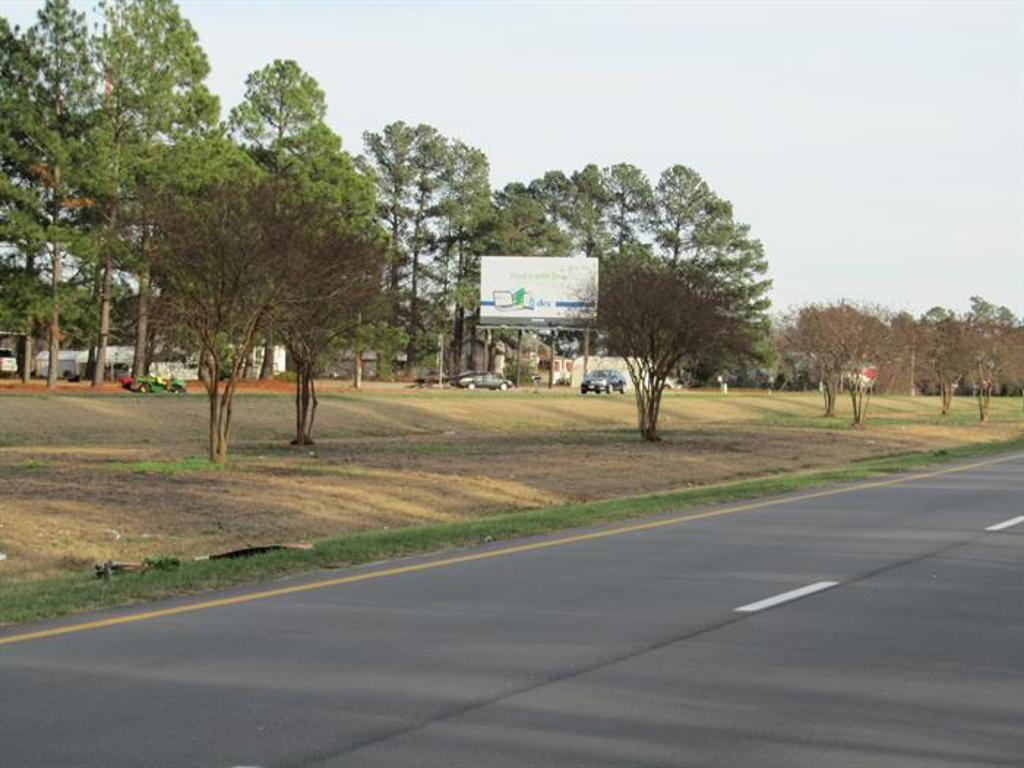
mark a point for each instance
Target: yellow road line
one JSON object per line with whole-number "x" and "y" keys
{"x": 504, "y": 551}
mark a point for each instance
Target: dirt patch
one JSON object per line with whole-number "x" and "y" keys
{"x": 116, "y": 476}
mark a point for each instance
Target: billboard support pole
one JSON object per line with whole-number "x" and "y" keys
{"x": 586, "y": 350}
{"x": 551, "y": 359}
{"x": 519, "y": 354}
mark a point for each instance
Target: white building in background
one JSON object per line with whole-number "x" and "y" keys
{"x": 74, "y": 363}
{"x": 280, "y": 361}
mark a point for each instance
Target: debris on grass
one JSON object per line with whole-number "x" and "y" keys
{"x": 168, "y": 562}
{"x": 258, "y": 550}
{"x": 113, "y": 567}
{"x": 110, "y": 568}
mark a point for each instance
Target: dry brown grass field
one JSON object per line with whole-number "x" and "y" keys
{"x": 86, "y": 477}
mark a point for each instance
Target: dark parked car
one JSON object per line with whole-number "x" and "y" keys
{"x": 606, "y": 381}
{"x": 483, "y": 381}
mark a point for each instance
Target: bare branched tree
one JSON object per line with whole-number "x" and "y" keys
{"x": 945, "y": 354}
{"x": 217, "y": 267}
{"x": 992, "y": 333}
{"x": 865, "y": 344}
{"x": 813, "y": 338}
{"x": 843, "y": 345}
{"x": 332, "y": 281}
{"x": 659, "y": 315}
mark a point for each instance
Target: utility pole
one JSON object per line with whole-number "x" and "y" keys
{"x": 913, "y": 360}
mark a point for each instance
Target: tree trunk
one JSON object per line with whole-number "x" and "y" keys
{"x": 99, "y": 372}
{"x": 215, "y": 444}
{"x": 267, "y": 367}
{"x": 648, "y": 406}
{"x": 984, "y": 397}
{"x": 395, "y": 274}
{"x": 300, "y": 417}
{"x": 860, "y": 398}
{"x": 311, "y": 379}
{"x": 27, "y": 356}
{"x": 220, "y": 401}
{"x": 828, "y": 393}
{"x": 208, "y": 374}
{"x": 305, "y": 405}
{"x": 946, "y": 390}
{"x": 651, "y": 432}
{"x": 140, "y": 360}
{"x": 457, "y": 339}
{"x": 414, "y": 314}
{"x": 54, "y": 331}
{"x": 90, "y": 366}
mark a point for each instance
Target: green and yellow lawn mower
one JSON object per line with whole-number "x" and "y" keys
{"x": 146, "y": 384}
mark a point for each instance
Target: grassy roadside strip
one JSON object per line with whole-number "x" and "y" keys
{"x": 32, "y": 600}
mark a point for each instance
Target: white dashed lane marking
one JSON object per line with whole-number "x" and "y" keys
{"x": 1006, "y": 524}
{"x": 785, "y": 597}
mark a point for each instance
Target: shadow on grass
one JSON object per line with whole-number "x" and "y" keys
{"x": 25, "y": 601}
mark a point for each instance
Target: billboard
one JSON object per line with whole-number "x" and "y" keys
{"x": 537, "y": 291}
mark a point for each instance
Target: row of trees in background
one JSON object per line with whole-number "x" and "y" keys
{"x": 435, "y": 202}
{"x": 90, "y": 123}
{"x": 666, "y": 319}
{"x": 131, "y": 212}
{"x": 859, "y": 348}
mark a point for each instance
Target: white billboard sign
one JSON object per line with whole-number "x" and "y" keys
{"x": 537, "y": 290}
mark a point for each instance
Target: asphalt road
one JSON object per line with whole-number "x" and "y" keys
{"x": 624, "y": 648}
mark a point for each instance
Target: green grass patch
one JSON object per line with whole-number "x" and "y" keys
{"x": 176, "y": 467}
{"x": 31, "y": 600}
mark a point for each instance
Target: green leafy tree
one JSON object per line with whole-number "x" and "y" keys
{"x": 696, "y": 227}
{"x": 22, "y": 295}
{"x": 278, "y": 118}
{"x": 430, "y": 162}
{"x": 522, "y": 227}
{"x": 391, "y": 162}
{"x": 48, "y": 100}
{"x": 465, "y": 217}
{"x": 554, "y": 192}
{"x": 588, "y": 207}
{"x": 154, "y": 95}
{"x": 631, "y": 207}
{"x": 280, "y": 124}
{"x": 685, "y": 212}
{"x": 328, "y": 242}
{"x": 409, "y": 164}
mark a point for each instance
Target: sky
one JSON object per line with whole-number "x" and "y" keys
{"x": 874, "y": 147}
